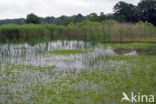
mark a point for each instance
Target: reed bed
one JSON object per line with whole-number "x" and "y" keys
{"x": 106, "y": 31}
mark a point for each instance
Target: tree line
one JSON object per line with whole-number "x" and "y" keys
{"x": 123, "y": 12}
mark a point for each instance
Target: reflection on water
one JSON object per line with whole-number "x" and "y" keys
{"x": 38, "y": 54}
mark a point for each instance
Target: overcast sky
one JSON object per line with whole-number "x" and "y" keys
{"x": 20, "y": 8}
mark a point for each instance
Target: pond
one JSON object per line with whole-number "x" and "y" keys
{"x": 46, "y": 72}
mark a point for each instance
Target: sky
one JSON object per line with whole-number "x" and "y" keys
{"x": 10, "y": 9}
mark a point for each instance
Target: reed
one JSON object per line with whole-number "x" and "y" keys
{"x": 106, "y": 31}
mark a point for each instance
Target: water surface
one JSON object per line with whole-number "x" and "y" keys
{"x": 17, "y": 86}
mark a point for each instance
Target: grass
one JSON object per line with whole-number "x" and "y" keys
{"x": 22, "y": 48}
{"x": 106, "y": 31}
{"x": 30, "y": 67}
{"x": 66, "y": 52}
{"x": 12, "y": 32}
{"x": 110, "y": 83}
{"x": 99, "y": 86}
{"x": 129, "y": 45}
{"x": 117, "y": 58}
{"x": 141, "y": 48}
{"x": 111, "y": 31}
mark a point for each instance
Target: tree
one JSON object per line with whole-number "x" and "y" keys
{"x": 19, "y": 21}
{"x": 147, "y": 11}
{"x": 49, "y": 19}
{"x": 79, "y": 18}
{"x": 93, "y": 17}
{"x": 125, "y": 12}
{"x": 110, "y": 16}
{"x": 32, "y": 19}
{"x": 68, "y": 21}
{"x": 102, "y": 17}
{"x": 60, "y": 20}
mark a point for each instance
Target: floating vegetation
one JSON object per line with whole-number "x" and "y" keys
{"x": 65, "y": 52}
{"x": 22, "y": 48}
{"x": 129, "y": 45}
{"x": 117, "y": 58}
{"x": 30, "y": 67}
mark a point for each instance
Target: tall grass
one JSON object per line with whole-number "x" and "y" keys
{"x": 106, "y": 31}
{"x": 114, "y": 31}
{"x": 27, "y": 31}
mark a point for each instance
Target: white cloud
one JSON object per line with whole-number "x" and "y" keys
{"x": 20, "y": 8}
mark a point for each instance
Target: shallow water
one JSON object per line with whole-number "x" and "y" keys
{"x": 38, "y": 54}
{"x": 20, "y": 84}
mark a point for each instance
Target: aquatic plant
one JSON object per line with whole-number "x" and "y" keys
{"x": 106, "y": 31}
{"x": 66, "y": 52}
{"x": 101, "y": 85}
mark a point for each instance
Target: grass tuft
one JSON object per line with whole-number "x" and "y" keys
{"x": 66, "y": 52}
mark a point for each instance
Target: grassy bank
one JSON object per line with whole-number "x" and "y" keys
{"x": 106, "y": 31}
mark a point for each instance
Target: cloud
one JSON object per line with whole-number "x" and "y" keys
{"x": 43, "y": 8}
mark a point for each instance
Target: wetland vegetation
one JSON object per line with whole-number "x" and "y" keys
{"x": 65, "y": 72}
{"x": 89, "y": 60}
{"x": 64, "y": 52}
{"x": 107, "y": 31}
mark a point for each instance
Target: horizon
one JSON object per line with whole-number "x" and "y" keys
{"x": 14, "y": 9}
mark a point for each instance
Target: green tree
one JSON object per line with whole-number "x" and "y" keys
{"x": 93, "y": 17}
{"x": 102, "y": 17}
{"x": 49, "y": 19}
{"x": 60, "y": 20}
{"x": 147, "y": 11}
{"x": 68, "y": 21}
{"x": 79, "y": 18}
{"x": 125, "y": 12}
{"x": 32, "y": 19}
{"x": 110, "y": 16}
